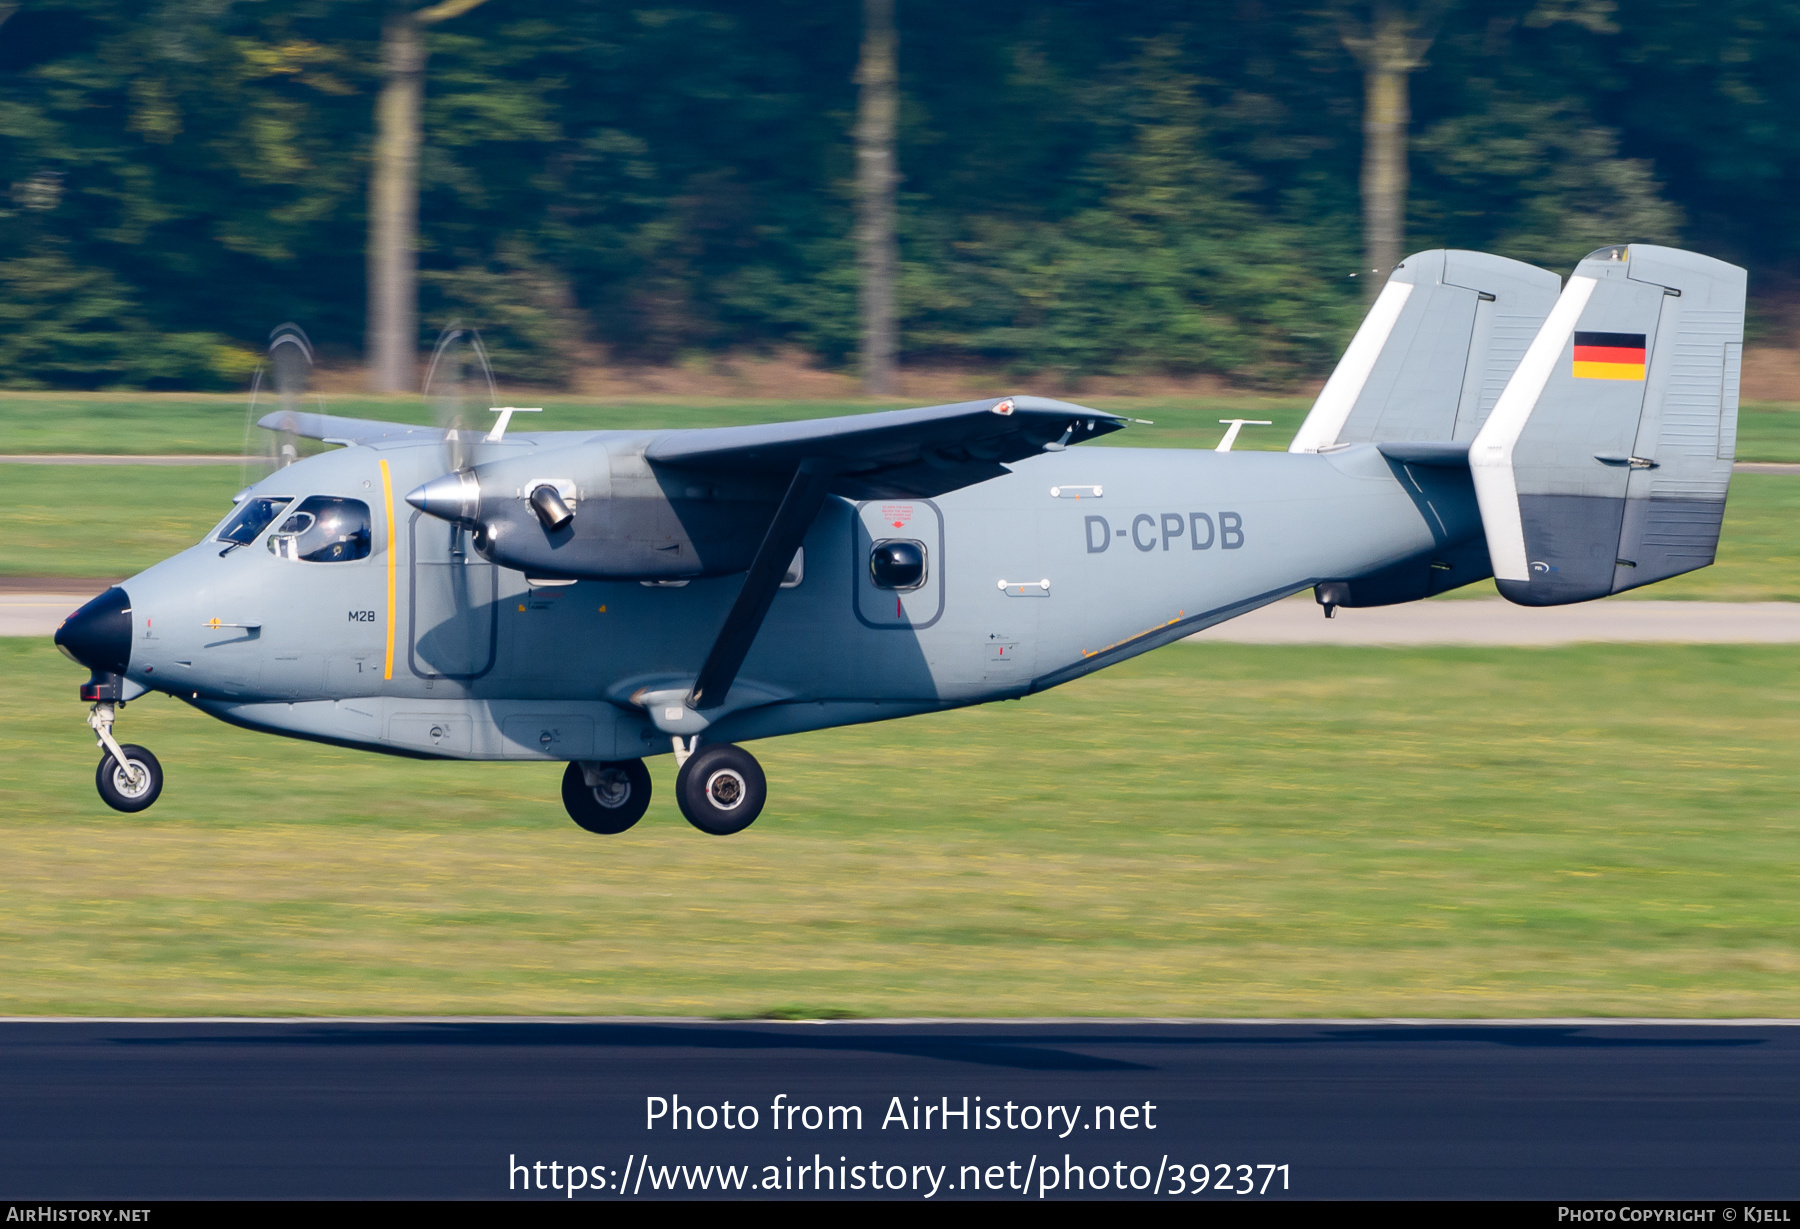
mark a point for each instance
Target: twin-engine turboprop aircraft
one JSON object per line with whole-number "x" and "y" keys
{"x": 594, "y": 597}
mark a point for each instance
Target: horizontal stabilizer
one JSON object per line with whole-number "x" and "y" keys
{"x": 1448, "y": 454}
{"x": 1605, "y": 464}
{"x": 1433, "y": 353}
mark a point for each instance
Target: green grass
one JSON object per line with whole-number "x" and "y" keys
{"x": 1769, "y": 431}
{"x": 1219, "y": 830}
{"x": 106, "y": 521}
{"x": 93, "y": 521}
{"x": 149, "y": 423}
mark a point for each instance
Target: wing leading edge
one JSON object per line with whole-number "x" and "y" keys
{"x": 334, "y": 430}
{"x": 914, "y": 453}
{"x": 894, "y": 453}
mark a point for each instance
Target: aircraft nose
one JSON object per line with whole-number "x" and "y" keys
{"x": 99, "y": 634}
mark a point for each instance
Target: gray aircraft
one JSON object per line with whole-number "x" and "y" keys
{"x": 596, "y": 597}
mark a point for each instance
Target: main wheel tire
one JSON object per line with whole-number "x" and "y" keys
{"x": 618, "y": 801}
{"x": 119, "y": 789}
{"x": 721, "y": 789}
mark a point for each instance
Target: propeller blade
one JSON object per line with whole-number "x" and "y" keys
{"x": 459, "y": 385}
{"x": 283, "y": 383}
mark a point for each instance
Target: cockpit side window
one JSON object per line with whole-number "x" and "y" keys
{"x": 252, "y": 518}
{"x": 323, "y": 529}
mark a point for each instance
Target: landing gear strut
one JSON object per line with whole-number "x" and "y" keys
{"x": 129, "y": 778}
{"x": 606, "y": 796}
{"x": 721, "y": 789}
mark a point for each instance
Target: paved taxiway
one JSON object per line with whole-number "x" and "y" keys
{"x": 139, "y": 1109}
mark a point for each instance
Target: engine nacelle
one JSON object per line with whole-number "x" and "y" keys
{"x": 600, "y": 511}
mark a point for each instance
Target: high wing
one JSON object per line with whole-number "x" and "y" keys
{"x": 893, "y": 453}
{"x": 334, "y": 430}
{"x": 888, "y": 454}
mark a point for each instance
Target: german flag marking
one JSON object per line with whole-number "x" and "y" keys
{"x": 1609, "y": 356}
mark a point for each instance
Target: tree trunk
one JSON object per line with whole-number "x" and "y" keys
{"x": 876, "y": 179}
{"x": 1389, "y": 49}
{"x": 393, "y": 324}
{"x": 1383, "y": 173}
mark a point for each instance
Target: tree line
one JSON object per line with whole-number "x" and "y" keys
{"x": 1056, "y": 185}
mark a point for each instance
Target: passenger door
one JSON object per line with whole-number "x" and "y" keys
{"x": 454, "y": 610}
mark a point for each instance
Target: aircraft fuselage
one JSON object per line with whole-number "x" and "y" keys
{"x": 1075, "y": 561}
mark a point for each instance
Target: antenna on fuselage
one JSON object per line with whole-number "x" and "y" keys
{"x": 506, "y": 412}
{"x": 1233, "y": 426}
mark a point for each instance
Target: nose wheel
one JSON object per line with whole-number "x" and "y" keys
{"x": 131, "y": 785}
{"x": 721, "y": 789}
{"x": 129, "y": 778}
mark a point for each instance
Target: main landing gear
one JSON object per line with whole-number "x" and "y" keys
{"x": 606, "y": 797}
{"x": 720, "y": 788}
{"x": 129, "y": 778}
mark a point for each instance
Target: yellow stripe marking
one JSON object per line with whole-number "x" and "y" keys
{"x": 1609, "y": 371}
{"x": 387, "y": 495}
{"x": 1179, "y": 616}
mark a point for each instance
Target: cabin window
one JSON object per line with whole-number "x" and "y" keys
{"x": 252, "y": 518}
{"x": 897, "y": 563}
{"x": 323, "y": 529}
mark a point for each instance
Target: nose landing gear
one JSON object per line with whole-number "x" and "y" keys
{"x": 129, "y": 778}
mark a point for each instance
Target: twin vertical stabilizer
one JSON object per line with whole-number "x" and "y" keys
{"x": 1599, "y": 424}
{"x": 1605, "y": 462}
{"x": 1434, "y": 352}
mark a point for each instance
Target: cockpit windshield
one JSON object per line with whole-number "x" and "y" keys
{"x": 323, "y": 529}
{"x": 252, "y": 518}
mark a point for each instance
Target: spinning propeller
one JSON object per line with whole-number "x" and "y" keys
{"x": 459, "y": 386}
{"x": 282, "y": 383}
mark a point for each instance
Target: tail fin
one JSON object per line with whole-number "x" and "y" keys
{"x": 1604, "y": 465}
{"x": 1434, "y": 352}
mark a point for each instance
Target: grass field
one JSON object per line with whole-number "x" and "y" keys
{"x": 1220, "y": 830}
{"x": 91, "y": 521}
{"x": 151, "y": 423}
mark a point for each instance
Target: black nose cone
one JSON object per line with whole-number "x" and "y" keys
{"x": 99, "y": 634}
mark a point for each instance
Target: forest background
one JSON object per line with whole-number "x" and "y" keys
{"x": 1086, "y": 189}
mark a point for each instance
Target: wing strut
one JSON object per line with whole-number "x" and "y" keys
{"x": 799, "y": 506}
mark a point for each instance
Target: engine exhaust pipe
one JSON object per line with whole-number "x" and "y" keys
{"x": 548, "y": 503}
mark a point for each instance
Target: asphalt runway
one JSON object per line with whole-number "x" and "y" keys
{"x": 454, "y": 1108}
